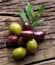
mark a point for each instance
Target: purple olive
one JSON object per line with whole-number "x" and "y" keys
{"x": 27, "y": 25}
{"x": 38, "y": 35}
{"x": 21, "y": 41}
{"x": 27, "y": 34}
{"x": 12, "y": 40}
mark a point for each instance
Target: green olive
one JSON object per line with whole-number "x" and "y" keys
{"x": 32, "y": 46}
{"x": 15, "y": 28}
{"x": 19, "y": 53}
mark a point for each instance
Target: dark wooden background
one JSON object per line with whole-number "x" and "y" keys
{"x": 45, "y": 54}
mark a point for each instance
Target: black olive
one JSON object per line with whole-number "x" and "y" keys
{"x": 20, "y": 41}
{"x": 27, "y": 25}
{"x": 38, "y": 35}
{"x": 11, "y": 40}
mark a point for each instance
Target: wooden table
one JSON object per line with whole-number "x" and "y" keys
{"x": 45, "y": 55}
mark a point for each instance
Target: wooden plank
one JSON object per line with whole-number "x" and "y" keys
{"x": 50, "y": 62}
{"x": 12, "y": 6}
{"x": 41, "y": 54}
{"x": 9, "y": 13}
{"x": 50, "y": 6}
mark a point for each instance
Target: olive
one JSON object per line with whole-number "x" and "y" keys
{"x": 11, "y": 40}
{"x": 32, "y": 46}
{"x": 28, "y": 34}
{"x": 21, "y": 41}
{"x": 15, "y": 28}
{"x": 39, "y": 35}
{"x": 19, "y": 53}
{"x": 27, "y": 25}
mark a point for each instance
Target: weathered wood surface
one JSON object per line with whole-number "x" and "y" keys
{"x": 9, "y": 13}
{"x": 51, "y": 62}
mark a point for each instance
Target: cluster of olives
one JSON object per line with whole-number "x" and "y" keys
{"x": 22, "y": 35}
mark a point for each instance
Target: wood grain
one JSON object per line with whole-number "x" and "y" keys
{"x": 9, "y": 13}
{"x": 46, "y": 51}
{"x": 51, "y": 62}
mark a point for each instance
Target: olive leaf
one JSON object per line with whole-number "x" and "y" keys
{"x": 30, "y": 12}
{"x": 41, "y": 10}
{"x": 22, "y": 15}
{"x": 37, "y": 23}
{"x": 37, "y": 16}
{"x": 35, "y": 19}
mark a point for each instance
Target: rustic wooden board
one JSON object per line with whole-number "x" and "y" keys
{"x": 51, "y": 62}
{"x": 9, "y": 13}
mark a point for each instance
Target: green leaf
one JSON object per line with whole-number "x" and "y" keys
{"x": 35, "y": 18}
{"x": 22, "y": 15}
{"x": 37, "y": 23}
{"x": 41, "y": 10}
{"x": 29, "y": 11}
